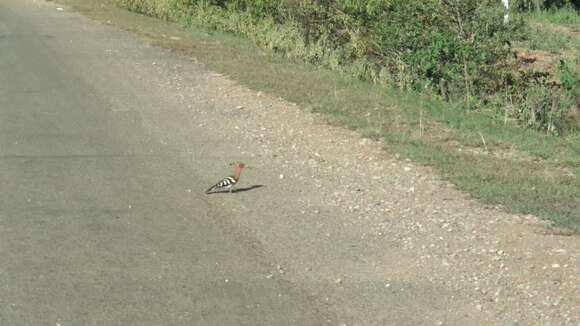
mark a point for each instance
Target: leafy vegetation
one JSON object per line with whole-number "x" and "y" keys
{"x": 457, "y": 50}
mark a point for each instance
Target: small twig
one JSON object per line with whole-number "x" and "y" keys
{"x": 421, "y": 123}
{"x": 484, "y": 144}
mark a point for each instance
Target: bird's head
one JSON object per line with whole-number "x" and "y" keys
{"x": 237, "y": 165}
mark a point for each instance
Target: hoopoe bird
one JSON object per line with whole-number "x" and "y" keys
{"x": 229, "y": 182}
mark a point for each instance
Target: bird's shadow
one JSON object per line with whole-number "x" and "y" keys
{"x": 236, "y": 190}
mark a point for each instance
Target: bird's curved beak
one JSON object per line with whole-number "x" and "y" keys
{"x": 245, "y": 165}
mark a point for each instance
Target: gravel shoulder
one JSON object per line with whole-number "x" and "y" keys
{"x": 370, "y": 221}
{"x": 368, "y": 237}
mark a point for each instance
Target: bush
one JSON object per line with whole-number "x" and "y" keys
{"x": 456, "y": 49}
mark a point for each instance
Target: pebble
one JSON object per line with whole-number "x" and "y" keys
{"x": 365, "y": 141}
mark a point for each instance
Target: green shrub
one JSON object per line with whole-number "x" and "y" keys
{"x": 569, "y": 77}
{"x": 459, "y": 50}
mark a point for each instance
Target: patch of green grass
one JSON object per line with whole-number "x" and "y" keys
{"x": 524, "y": 171}
{"x": 564, "y": 16}
{"x": 555, "y": 31}
{"x": 556, "y": 42}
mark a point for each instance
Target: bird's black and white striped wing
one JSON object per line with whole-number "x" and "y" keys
{"x": 224, "y": 184}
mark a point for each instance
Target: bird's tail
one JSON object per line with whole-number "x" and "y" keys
{"x": 210, "y": 189}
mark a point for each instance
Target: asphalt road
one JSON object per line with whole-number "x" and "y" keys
{"x": 106, "y": 147}
{"x": 95, "y": 225}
